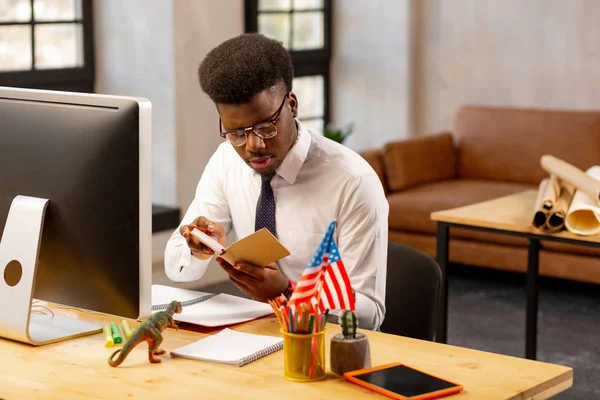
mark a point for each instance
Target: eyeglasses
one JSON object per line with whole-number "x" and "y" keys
{"x": 264, "y": 130}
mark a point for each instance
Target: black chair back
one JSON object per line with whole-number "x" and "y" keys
{"x": 413, "y": 291}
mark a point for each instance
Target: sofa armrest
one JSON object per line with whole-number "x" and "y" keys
{"x": 419, "y": 160}
{"x": 375, "y": 158}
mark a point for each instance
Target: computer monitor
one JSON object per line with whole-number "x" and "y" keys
{"x": 75, "y": 210}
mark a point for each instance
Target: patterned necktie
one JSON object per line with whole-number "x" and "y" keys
{"x": 265, "y": 208}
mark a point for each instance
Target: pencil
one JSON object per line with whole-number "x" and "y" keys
{"x": 277, "y": 313}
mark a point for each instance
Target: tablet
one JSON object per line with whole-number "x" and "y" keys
{"x": 400, "y": 381}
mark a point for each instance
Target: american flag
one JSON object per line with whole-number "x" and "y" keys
{"x": 325, "y": 280}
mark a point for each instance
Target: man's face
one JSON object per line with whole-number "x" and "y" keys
{"x": 263, "y": 155}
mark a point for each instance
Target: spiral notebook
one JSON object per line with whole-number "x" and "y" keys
{"x": 162, "y": 295}
{"x": 231, "y": 347}
{"x": 208, "y": 309}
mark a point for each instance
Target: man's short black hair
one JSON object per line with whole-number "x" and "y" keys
{"x": 241, "y": 67}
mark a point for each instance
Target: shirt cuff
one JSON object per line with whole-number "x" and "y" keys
{"x": 366, "y": 313}
{"x": 186, "y": 267}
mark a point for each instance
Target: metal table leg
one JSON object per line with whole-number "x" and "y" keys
{"x": 442, "y": 242}
{"x": 533, "y": 253}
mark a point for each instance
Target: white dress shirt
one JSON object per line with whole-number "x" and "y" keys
{"x": 319, "y": 181}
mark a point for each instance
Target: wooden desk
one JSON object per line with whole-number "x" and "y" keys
{"x": 510, "y": 215}
{"x": 78, "y": 369}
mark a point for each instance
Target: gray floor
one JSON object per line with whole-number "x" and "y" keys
{"x": 487, "y": 312}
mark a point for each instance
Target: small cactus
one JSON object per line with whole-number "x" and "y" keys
{"x": 349, "y": 324}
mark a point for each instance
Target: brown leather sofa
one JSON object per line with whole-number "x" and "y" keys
{"x": 491, "y": 152}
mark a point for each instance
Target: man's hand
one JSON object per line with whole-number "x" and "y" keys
{"x": 260, "y": 283}
{"x": 200, "y": 250}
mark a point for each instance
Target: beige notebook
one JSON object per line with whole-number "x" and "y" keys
{"x": 260, "y": 248}
{"x": 231, "y": 347}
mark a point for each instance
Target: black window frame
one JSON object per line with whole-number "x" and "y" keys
{"x": 306, "y": 62}
{"x": 79, "y": 79}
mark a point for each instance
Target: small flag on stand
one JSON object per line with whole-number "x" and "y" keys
{"x": 325, "y": 283}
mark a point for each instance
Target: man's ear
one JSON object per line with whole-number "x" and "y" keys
{"x": 294, "y": 104}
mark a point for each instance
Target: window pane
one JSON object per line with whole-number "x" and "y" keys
{"x": 310, "y": 91}
{"x": 315, "y": 125}
{"x": 275, "y": 5}
{"x": 58, "y": 46}
{"x": 308, "y": 31}
{"x": 308, "y": 4}
{"x": 15, "y": 10}
{"x": 15, "y": 48}
{"x": 276, "y": 26}
{"x": 56, "y": 10}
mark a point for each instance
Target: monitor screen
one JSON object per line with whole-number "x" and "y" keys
{"x": 89, "y": 156}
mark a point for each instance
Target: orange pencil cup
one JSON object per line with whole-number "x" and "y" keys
{"x": 304, "y": 356}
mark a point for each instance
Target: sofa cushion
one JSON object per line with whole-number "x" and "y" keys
{"x": 419, "y": 160}
{"x": 410, "y": 210}
{"x": 506, "y": 144}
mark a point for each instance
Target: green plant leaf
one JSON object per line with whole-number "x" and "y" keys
{"x": 338, "y": 134}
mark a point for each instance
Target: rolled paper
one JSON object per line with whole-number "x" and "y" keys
{"x": 540, "y": 215}
{"x": 551, "y": 193}
{"x": 573, "y": 175}
{"x": 116, "y": 334}
{"x": 126, "y": 329}
{"x": 583, "y": 216}
{"x": 108, "y": 337}
{"x": 556, "y": 218}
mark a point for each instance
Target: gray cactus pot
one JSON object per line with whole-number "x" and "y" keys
{"x": 349, "y": 354}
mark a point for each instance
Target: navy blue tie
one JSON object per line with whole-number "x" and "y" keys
{"x": 265, "y": 208}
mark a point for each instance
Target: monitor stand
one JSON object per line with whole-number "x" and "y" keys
{"x": 19, "y": 248}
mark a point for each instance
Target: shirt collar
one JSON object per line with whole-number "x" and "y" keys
{"x": 294, "y": 160}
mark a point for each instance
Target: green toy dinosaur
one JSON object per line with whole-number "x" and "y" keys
{"x": 148, "y": 331}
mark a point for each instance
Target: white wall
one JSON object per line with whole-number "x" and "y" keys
{"x": 134, "y": 57}
{"x": 200, "y": 26}
{"x": 538, "y": 53}
{"x": 371, "y": 69}
{"x": 154, "y": 51}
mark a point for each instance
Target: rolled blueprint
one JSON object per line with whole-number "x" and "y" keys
{"x": 551, "y": 193}
{"x": 583, "y": 217}
{"x": 556, "y": 217}
{"x": 540, "y": 214}
{"x": 573, "y": 175}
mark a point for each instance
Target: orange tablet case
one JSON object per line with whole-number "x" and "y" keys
{"x": 350, "y": 376}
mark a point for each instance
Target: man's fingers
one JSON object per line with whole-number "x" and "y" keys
{"x": 195, "y": 244}
{"x": 185, "y": 231}
{"x": 205, "y": 224}
{"x": 272, "y": 266}
{"x": 233, "y": 272}
{"x": 250, "y": 269}
{"x": 210, "y": 228}
{"x": 239, "y": 284}
{"x": 218, "y": 233}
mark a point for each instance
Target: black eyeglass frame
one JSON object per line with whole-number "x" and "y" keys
{"x": 254, "y": 128}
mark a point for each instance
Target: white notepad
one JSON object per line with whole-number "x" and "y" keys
{"x": 207, "y": 309}
{"x": 231, "y": 347}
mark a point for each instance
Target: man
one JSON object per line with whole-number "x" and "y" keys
{"x": 272, "y": 172}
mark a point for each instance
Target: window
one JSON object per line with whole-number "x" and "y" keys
{"x": 304, "y": 28}
{"x": 47, "y": 44}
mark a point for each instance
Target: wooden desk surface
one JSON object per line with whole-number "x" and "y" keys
{"x": 513, "y": 213}
{"x": 78, "y": 369}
